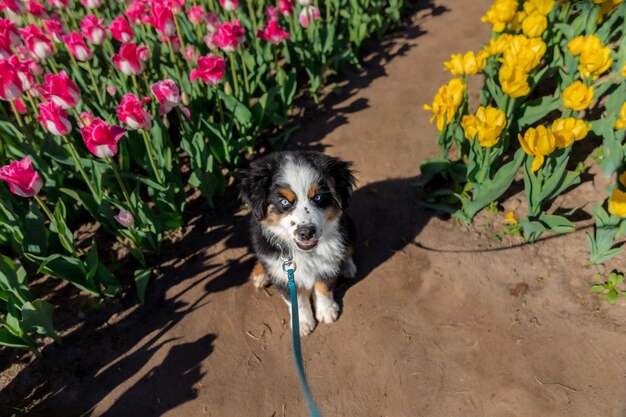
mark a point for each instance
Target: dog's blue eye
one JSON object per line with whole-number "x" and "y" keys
{"x": 284, "y": 202}
{"x": 317, "y": 198}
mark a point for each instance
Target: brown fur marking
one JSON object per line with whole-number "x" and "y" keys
{"x": 288, "y": 194}
{"x": 313, "y": 190}
{"x": 322, "y": 288}
{"x": 258, "y": 269}
{"x": 272, "y": 217}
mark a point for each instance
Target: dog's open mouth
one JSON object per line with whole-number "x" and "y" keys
{"x": 307, "y": 245}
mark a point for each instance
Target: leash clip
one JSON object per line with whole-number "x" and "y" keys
{"x": 288, "y": 262}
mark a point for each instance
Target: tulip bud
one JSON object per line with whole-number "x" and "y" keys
{"x": 125, "y": 218}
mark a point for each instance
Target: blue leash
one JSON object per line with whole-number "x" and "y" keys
{"x": 289, "y": 266}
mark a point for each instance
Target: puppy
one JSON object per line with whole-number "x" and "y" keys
{"x": 298, "y": 201}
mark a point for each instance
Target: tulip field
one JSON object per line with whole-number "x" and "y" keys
{"x": 113, "y": 112}
{"x": 554, "y": 76}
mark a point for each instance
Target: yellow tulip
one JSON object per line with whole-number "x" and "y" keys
{"x": 537, "y": 142}
{"x": 510, "y": 218}
{"x": 577, "y": 96}
{"x": 606, "y": 7}
{"x": 566, "y": 131}
{"x": 540, "y": 6}
{"x": 524, "y": 52}
{"x": 469, "y": 63}
{"x": 576, "y": 45}
{"x": 534, "y": 25}
{"x": 500, "y": 13}
{"x": 446, "y": 101}
{"x": 486, "y": 125}
{"x": 498, "y": 45}
{"x": 622, "y": 179}
{"x": 621, "y": 122}
{"x": 516, "y": 22}
{"x": 594, "y": 61}
{"x": 617, "y": 203}
{"x": 624, "y": 71}
{"x": 514, "y": 81}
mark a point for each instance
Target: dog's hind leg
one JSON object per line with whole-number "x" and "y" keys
{"x": 259, "y": 276}
{"x": 326, "y": 308}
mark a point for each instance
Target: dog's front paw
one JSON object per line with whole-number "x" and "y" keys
{"x": 326, "y": 310}
{"x": 307, "y": 325}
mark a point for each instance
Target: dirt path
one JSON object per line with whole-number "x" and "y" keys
{"x": 458, "y": 329}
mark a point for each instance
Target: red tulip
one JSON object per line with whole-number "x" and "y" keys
{"x": 36, "y": 9}
{"x": 130, "y": 111}
{"x": 176, "y": 6}
{"x": 130, "y": 59}
{"x": 20, "y": 106}
{"x": 137, "y": 12}
{"x": 210, "y": 69}
{"x": 22, "y": 178}
{"x": 24, "y": 71}
{"x": 78, "y": 47}
{"x": 273, "y": 33}
{"x": 286, "y": 7}
{"x": 196, "y": 14}
{"x": 121, "y": 30}
{"x": 92, "y": 28}
{"x": 163, "y": 19}
{"x": 38, "y": 44}
{"x": 91, "y": 4}
{"x": 168, "y": 96}
{"x": 9, "y": 37}
{"x": 15, "y": 6}
{"x": 58, "y": 4}
{"x": 308, "y": 15}
{"x": 230, "y": 5}
{"x": 11, "y": 86}
{"x": 54, "y": 119}
{"x": 229, "y": 36}
{"x": 60, "y": 89}
{"x": 101, "y": 139}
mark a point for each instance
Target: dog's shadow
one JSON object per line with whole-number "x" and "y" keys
{"x": 387, "y": 218}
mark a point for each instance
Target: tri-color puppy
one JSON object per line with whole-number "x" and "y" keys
{"x": 297, "y": 201}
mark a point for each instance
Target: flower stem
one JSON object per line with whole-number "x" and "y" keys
{"x": 79, "y": 165}
{"x": 233, "y": 70}
{"x": 53, "y": 65}
{"x": 118, "y": 177}
{"x": 94, "y": 84}
{"x": 146, "y": 141}
{"x": 174, "y": 61}
{"x": 20, "y": 122}
{"x": 220, "y": 110}
{"x": 245, "y": 73}
{"x": 46, "y": 210}
{"x": 135, "y": 83}
{"x": 181, "y": 39}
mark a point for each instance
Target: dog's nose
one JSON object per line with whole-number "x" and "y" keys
{"x": 305, "y": 233}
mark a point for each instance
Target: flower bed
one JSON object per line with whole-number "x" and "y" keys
{"x": 554, "y": 74}
{"x": 102, "y": 103}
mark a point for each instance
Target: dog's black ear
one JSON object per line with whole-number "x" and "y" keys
{"x": 255, "y": 185}
{"x": 343, "y": 177}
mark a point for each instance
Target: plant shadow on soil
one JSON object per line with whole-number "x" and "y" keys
{"x": 115, "y": 341}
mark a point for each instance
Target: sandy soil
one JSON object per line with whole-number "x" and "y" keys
{"x": 441, "y": 321}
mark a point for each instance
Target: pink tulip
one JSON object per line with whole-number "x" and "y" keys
{"x": 58, "y": 4}
{"x": 36, "y": 9}
{"x": 101, "y": 139}
{"x": 210, "y": 69}
{"x": 23, "y": 69}
{"x": 229, "y": 36}
{"x": 125, "y": 218}
{"x": 176, "y": 6}
{"x": 168, "y": 96}
{"x": 54, "y": 119}
{"x": 34, "y": 68}
{"x": 22, "y": 178}
{"x": 173, "y": 40}
{"x": 9, "y": 37}
{"x": 91, "y": 4}
{"x": 208, "y": 40}
{"x": 111, "y": 90}
{"x": 11, "y": 86}
{"x": 286, "y": 7}
{"x": 196, "y": 14}
{"x": 271, "y": 13}
{"x": 15, "y": 6}
{"x": 92, "y": 28}
{"x": 85, "y": 119}
{"x": 60, "y": 89}
{"x": 163, "y": 19}
{"x": 78, "y": 47}
{"x": 20, "y": 106}
{"x": 212, "y": 21}
{"x": 308, "y": 15}
{"x": 190, "y": 54}
{"x": 54, "y": 27}
{"x": 121, "y": 30}
{"x": 38, "y": 44}
{"x": 273, "y": 33}
{"x": 137, "y": 12}
{"x": 230, "y": 5}
{"x": 130, "y": 111}
{"x": 131, "y": 58}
